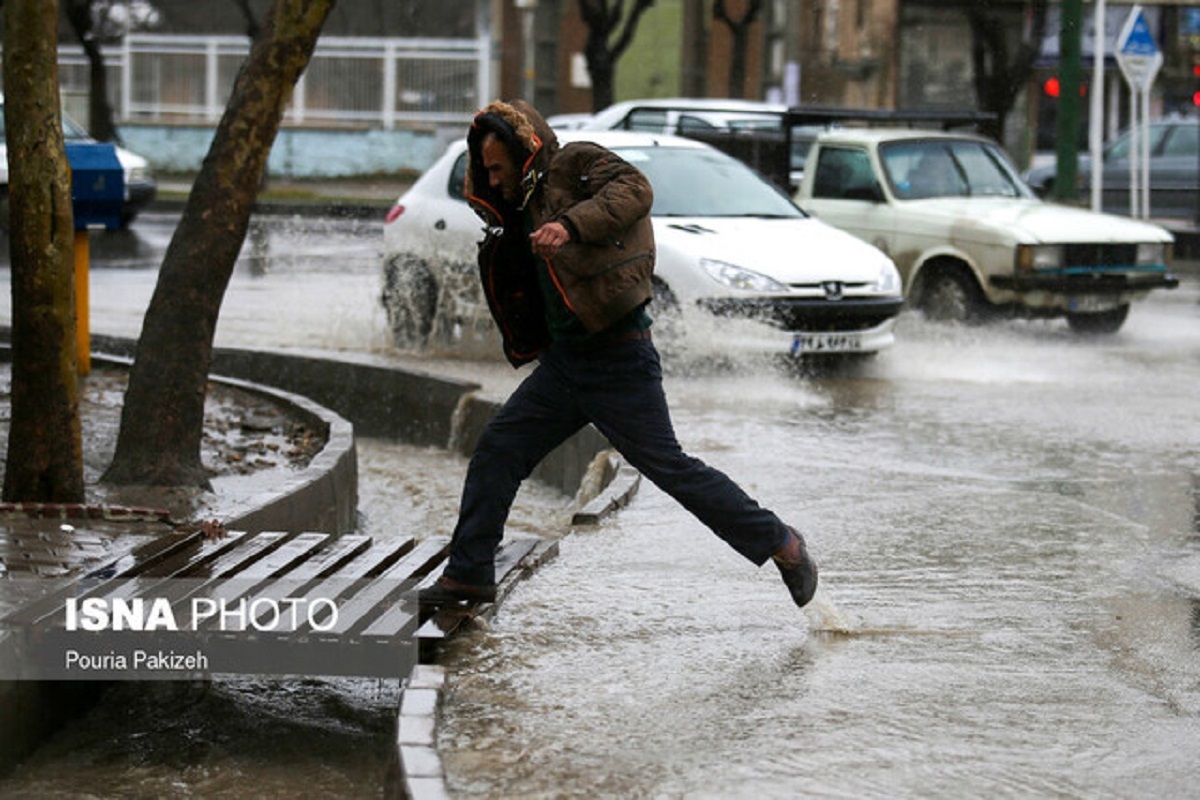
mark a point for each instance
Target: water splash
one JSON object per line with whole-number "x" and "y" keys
{"x": 825, "y": 617}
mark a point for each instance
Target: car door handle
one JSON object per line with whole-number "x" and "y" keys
{"x": 440, "y": 225}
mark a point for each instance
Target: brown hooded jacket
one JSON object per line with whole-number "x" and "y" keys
{"x": 603, "y": 272}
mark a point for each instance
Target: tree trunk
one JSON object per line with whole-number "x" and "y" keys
{"x": 737, "y": 66}
{"x": 600, "y": 70}
{"x": 1000, "y": 76}
{"x": 101, "y": 125}
{"x": 602, "y": 18}
{"x": 163, "y": 415}
{"x": 45, "y": 452}
{"x": 739, "y": 30}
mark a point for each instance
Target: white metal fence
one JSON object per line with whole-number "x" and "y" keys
{"x": 366, "y": 82}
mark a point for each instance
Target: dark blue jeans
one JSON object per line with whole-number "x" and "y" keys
{"x": 617, "y": 388}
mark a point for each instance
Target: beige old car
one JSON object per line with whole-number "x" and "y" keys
{"x": 970, "y": 238}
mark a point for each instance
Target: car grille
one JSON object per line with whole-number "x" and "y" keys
{"x": 808, "y": 314}
{"x": 1099, "y": 255}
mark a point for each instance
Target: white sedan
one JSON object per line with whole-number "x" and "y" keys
{"x": 739, "y": 267}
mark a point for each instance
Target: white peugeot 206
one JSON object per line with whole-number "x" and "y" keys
{"x": 740, "y": 269}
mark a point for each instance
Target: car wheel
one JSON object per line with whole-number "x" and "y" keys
{"x": 1099, "y": 323}
{"x": 410, "y": 299}
{"x": 950, "y": 295}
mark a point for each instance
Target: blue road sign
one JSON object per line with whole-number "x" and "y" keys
{"x": 1137, "y": 54}
{"x": 1138, "y": 41}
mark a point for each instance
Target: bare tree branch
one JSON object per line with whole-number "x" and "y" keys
{"x": 739, "y": 29}
{"x": 602, "y": 19}
{"x": 635, "y": 14}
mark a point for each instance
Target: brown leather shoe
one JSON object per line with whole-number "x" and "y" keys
{"x": 447, "y": 591}
{"x": 798, "y": 569}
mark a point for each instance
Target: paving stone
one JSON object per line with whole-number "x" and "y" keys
{"x": 419, "y": 703}
{"x": 427, "y": 676}
{"x": 418, "y": 731}
{"x": 427, "y": 789}
{"x": 421, "y": 762}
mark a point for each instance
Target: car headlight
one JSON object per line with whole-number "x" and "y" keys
{"x": 1039, "y": 256}
{"x": 1153, "y": 253}
{"x": 137, "y": 175}
{"x": 887, "y": 281}
{"x": 739, "y": 278}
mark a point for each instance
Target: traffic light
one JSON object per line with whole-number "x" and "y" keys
{"x": 1196, "y": 94}
{"x": 1053, "y": 88}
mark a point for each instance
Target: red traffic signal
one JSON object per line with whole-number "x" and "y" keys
{"x": 1053, "y": 88}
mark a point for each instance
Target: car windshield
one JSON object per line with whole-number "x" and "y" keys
{"x": 691, "y": 182}
{"x": 948, "y": 168}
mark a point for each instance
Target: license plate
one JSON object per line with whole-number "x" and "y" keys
{"x": 826, "y": 343}
{"x": 1092, "y": 302}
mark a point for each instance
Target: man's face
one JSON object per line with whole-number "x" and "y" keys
{"x": 502, "y": 172}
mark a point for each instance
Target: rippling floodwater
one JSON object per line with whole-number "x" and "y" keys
{"x": 1006, "y": 520}
{"x": 1008, "y": 525}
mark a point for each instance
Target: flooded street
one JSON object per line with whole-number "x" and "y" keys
{"x": 1007, "y": 521}
{"x": 299, "y": 283}
{"x": 1006, "y": 524}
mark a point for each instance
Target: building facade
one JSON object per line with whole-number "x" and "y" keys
{"x": 858, "y": 53}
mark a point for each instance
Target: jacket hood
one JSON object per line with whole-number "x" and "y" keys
{"x": 529, "y": 139}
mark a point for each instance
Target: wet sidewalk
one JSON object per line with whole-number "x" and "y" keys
{"x": 44, "y": 548}
{"x": 55, "y": 541}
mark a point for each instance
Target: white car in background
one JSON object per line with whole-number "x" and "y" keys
{"x": 140, "y": 187}
{"x": 743, "y": 128}
{"x": 683, "y": 114}
{"x": 568, "y": 122}
{"x": 742, "y": 266}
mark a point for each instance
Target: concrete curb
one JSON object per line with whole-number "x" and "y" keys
{"x": 324, "y": 495}
{"x": 378, "y": 398}
{"x": 617, "y": 483}
{"x": 321, "y": 496}
{"x": 381, "y": 399}
{"x": 421, "y": 775}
